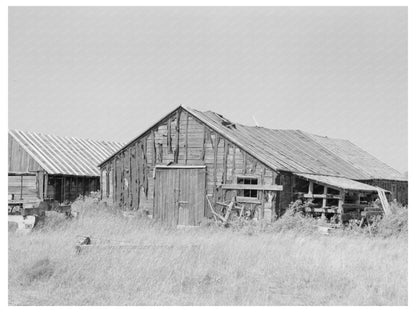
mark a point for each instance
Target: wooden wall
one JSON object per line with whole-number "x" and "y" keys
{"x": 128, "y": 178}
{"x": 23, "y": 187}
{"x": 398, "y": 189}
{"x": 19, "y": 159}
{"x": 68, "y": 188}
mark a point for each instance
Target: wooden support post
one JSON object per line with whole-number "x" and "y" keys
{"x": 358, "y": 201}
{"x": 21, "y": 187}
{"x": 45, "y": 188}
{"x": 324, "y": 199}
{"x": 340, "y": 204}
{"x": 310, "y": 190}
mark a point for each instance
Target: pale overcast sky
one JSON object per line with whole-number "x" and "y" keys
{"x": 109, "y": 73}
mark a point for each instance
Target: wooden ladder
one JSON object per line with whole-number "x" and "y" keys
{"x": 384, "y": 202}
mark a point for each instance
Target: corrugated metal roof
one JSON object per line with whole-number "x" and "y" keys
{"x": 65, "y": 155}
{"x": 339, "y": 182}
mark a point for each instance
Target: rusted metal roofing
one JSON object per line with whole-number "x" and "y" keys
{"x": 65, "y": 155}
{"x": 338, "y": 182}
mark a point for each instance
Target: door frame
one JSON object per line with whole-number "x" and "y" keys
{"x": 177, "y": 192}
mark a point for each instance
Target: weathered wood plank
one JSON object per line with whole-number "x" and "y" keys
{"x": 252, "y": 187}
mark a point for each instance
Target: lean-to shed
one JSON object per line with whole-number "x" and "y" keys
{"x": 170, "y": 169}
{"x": 47, "y": 166}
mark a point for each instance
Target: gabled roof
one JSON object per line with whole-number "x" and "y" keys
{"x": 65, "y": 155}
{"x": 296, "y": 151}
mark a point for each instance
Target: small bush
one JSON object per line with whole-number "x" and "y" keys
{"x": 393, "y": 225}
{"x": 53, "y": 220}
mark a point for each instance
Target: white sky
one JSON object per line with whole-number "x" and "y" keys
{"x": 109, "y": 73}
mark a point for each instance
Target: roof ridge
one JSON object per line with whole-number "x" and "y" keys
{"x": 64, "y": 136}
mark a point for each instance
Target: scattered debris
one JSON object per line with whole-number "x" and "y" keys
{"x": 85, "y": 242}
{"x": 28, "y": 214}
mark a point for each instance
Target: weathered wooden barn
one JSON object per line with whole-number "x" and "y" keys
{"x": 46, "y": 166}
{"x": 189, "y": 157}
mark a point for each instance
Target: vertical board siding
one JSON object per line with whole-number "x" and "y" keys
{"x": 182, "y": 139}
{"x": 19, "y": 159}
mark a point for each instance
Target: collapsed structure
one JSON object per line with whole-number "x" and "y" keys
{"x": 189, "y": 157}
{"x": 45, "y": 166}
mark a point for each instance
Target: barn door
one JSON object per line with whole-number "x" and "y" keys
{"x": 179, "y": 194}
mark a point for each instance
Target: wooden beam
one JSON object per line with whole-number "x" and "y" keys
{"x": 322, "y": 210}
{"x": 250, "y": 200}
{"x": 252, "y": 187}
{"x": 11, "y": 173}
{"x": 327, "y": 196}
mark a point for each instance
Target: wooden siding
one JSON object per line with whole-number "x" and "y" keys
{"x": 19, "y": 159}
{"x": 179, "y": 139}
{"x": 23, "y": 188}
{"x": 398, "y": 189}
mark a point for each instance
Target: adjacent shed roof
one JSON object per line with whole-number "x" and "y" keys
{"x": 65, "y": 155}
{"x": 358, "y": 158}
{"x": 339, "y": 182}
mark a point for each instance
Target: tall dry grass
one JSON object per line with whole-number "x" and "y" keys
{"x": 251, "y": 265}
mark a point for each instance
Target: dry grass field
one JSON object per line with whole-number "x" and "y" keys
{"x": 283, "y": 264}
